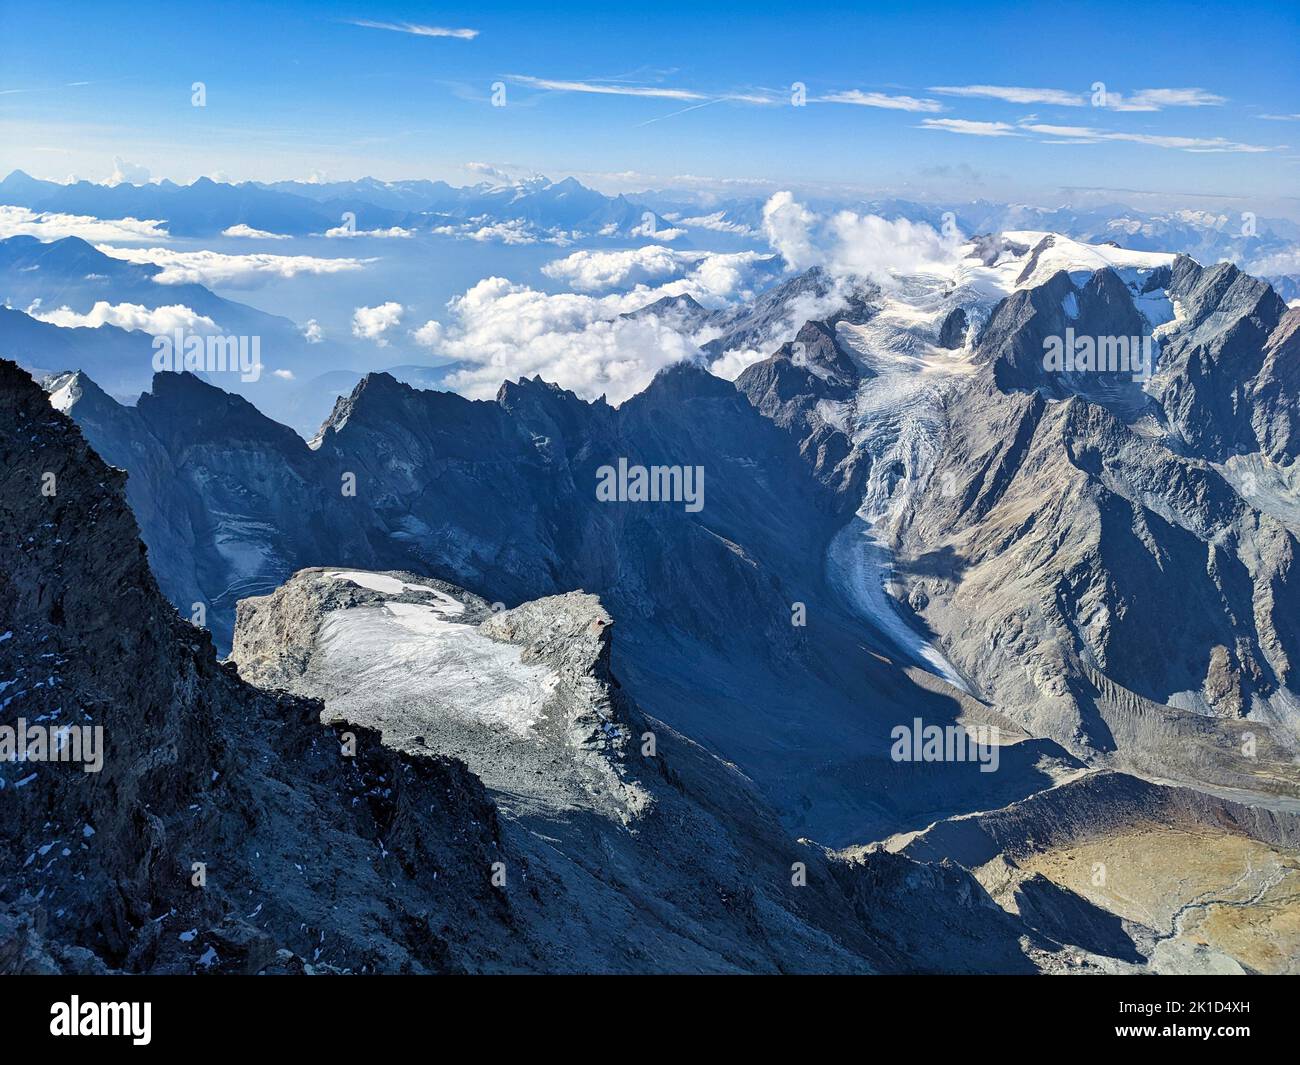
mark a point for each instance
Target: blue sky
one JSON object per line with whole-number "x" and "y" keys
{"x": 907, "y": 99}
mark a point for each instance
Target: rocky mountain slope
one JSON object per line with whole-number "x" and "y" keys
{"x": 306, "y": 859}
{"x": 229, "y": 830}
{"x": 500, "y": 498}
{"x": 1110, "y": 562}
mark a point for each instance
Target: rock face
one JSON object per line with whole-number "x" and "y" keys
{"x": 309, "y": 859}
{"x": 952, "y": 334}
{"x": 1109, "y": 560}
{"x": 794, "y": 388}
{"x": 229, "y": 830}
{"x": 1227, "y": 375}
{"x": 1090, "y": 543}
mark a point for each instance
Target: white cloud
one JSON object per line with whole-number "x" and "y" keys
{"x": 848, "y": 244}
{"x": 646, "y": 229}
{"x": 881, "y": 100}
{"x": 428, "y": 335}
{"x": 371, "y": 323}
{"x": 487, "y": 170}
{"x": 710, "y": 277}
{"x": 736, "y": 361}
{"x": 514, "y": 231}
{"x": 284, "y": 375}
{"x": 606, "y": 89}
{"x": 722, "y": 277}
{"x": 719, "y": 224}
{"x": 871, "y": 246}
{"x": 215, "y": 268}
{"x": 1139, "y": 100}
{"x": 1089, "y": 135}
{"x": 417, "y": 30}
{"x": 19, "y": 221}
{"x": 788, "y": 226}
{"x": 242, "y": 230}
{"x": 593, "y": 271}
{"x": 506, "y": 331}
{"x": 1015, "y": 94}
{"x": 581, "y": 341}
{"x": 125, "y": 173}
{"x": 345, "y": 231}
{"x": 1157, "y": 99}
{"x": 312, "y": 331}
{"x": 132, "y": 316}
{"x": 970, "y": 128}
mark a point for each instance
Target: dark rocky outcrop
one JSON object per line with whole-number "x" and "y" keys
{"x": 952, "y": 334}
{"x": 311, "y": 859}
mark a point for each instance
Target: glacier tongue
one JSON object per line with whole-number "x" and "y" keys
{"x": 897, "y": 417}
{"x": 859, "y": 567}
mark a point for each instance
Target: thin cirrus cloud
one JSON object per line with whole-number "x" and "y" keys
{"x": 970, "y": 128}
{"x": 856, "y": 97}
{"x": 1013, "y": 94}
{"x": 1089, "y": 135}
{"x": 1158, "y": 99}
{"x": 1140, "y": 100}
{"x": 1054, "y": 134}
{"x": 650, "y": 92}
{"x": 598, "y": 88}
{"x": 881, "y": 100}
{"x": 416, "y": 30}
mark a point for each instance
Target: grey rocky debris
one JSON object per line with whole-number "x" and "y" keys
{"x": 678, "y": 834}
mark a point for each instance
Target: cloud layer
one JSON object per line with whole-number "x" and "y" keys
{"x": 132, "y": 316}
{"x": 709, "y": 276}
{"x": 19, "y": 221}
{"x": 216, "y": 268}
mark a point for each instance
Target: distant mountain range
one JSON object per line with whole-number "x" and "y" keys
{"x": 564, "y": 210}
{"x": 538, "y": 209}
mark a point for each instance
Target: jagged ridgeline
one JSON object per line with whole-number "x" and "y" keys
{"x": 229, "y": 830}
{"x": 917, "y": 513}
